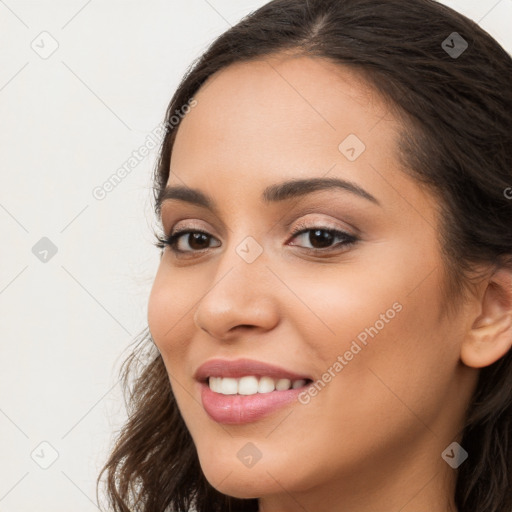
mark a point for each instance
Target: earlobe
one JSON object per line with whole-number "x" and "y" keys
{"x": 490, "y": 336}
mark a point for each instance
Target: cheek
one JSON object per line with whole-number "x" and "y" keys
{"x": 160, "y": 309}
{"x": 168, "y": 304}
{"x": 375, "y": 337}
{"x": 380, "y": 379}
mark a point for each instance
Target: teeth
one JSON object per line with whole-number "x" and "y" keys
{"x": 283, "y": 384}
{"x": 215, "y": 384}
{"x": 251, "y": 385}
{"x": 266, "y": 385}
{"x": 298, "y": 383}
{"x": 248, "y": 386}
{"x": 228, "y": 386}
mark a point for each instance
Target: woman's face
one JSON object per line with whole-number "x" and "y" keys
{"x": 357, "y": 312}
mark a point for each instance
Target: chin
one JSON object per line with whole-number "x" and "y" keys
{"x": 230, "y": 477}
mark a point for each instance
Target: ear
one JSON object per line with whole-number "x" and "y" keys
{"x": 490, "y": 336}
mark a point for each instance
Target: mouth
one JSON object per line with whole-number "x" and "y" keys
{"x": 243, "y": 391}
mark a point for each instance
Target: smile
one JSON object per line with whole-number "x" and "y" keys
{"x": 243, "y": 391}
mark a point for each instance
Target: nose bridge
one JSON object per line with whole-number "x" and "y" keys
{"x": 241, "y": 268}
{"x": 245, "y": 252}
{"x": 240, "y": 292}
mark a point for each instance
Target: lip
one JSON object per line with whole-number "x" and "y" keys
{"x": 238, "y": 368}
{"x": 240, "y": 409}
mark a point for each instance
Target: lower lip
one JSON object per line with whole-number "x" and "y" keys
{"x": 239, "y": 409}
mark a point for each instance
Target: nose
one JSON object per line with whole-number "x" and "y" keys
{"x": 241, "y": 299}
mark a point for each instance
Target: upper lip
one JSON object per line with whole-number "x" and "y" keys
{"x": 242, "y": 367}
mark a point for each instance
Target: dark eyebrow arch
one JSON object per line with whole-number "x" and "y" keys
{"x": 273, "y": 193}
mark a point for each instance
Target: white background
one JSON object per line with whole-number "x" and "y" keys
{"x": 68, "y": 122}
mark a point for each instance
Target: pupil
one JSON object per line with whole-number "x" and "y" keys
{"x": 196, "y": 237}
{"x": 324, "y": 240}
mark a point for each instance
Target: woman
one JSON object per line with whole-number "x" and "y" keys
{"x": 330, "y": 323}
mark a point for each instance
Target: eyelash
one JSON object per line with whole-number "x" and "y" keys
{"x": 347, "y": 239}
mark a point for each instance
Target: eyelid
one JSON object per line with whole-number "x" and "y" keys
{"x": 321, "y": 224}
{"x": 316, "y": 211}
{"x": 301, "y": 224}
{"x": 188, "y": 226}
{"x": 175, "y": 214}
{"x": 327, "y": 217}
{"x": 289, "y": 226}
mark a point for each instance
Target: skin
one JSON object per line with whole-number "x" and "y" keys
{"x": 372, "y": 438}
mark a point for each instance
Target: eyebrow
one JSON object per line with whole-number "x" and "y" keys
{"x": 271, "y": 194}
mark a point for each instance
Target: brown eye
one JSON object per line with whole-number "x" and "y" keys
{"x": 187, "y": 241}
{"x": 322, "y": 239}
{"x": 198, "y": 241}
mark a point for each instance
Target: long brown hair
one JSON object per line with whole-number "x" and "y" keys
{"x": 456, "y": 110}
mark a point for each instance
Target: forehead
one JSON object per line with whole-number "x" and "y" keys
{"x": 283, "y": 106}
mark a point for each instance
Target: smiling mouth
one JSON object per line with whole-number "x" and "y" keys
{"x": 252, "y": 385}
